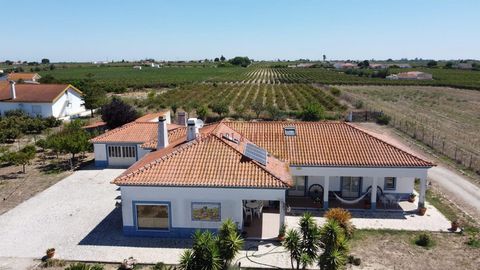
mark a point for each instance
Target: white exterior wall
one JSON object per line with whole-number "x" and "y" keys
{"x": 404, "y": 183}
{"x": 181, "y": 198}
{"x": 61, "y": 108}
{"x": 141, "y": 152}
{"x": 101, "y": 159}
{"x": 46, "y": 108}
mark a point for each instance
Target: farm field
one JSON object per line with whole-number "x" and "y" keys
{"x": 241, "y": 98}
{"x": 257, "y": 73}
{"x": 445, "y": 119}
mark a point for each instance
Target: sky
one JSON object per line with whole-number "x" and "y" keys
{"x": 106, "y": 30}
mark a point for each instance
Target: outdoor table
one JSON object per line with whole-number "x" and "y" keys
{"x": 253, "y": 205}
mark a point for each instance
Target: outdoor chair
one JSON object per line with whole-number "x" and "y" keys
{"x": 258, "y": 211}
{"x": 248, "y": 212}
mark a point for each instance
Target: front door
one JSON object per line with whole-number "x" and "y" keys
{"x": 351, "y": 187}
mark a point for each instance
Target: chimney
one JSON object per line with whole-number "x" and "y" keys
{"x": 162, "y": 133}
{"x": 192, "y": 129}
{"x": 13, "y": 93}
{"x": 182, "y": 118}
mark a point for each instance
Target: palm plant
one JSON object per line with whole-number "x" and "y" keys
{"x": 204, "y": 254}
{"x": 229, "y": 241}
{"x": 292, "y": 245}
{"x": 335, "y": 245}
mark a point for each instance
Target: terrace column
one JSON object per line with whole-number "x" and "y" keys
{"x": 282, "y": 213}
{"x": 326, "y": 188}
{"x": 373, "y": 194}
{"x": 423, "y": 189}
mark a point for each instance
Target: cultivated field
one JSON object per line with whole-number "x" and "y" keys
{"x": 266, "y": 73}
{"x": 444, "y": 118}
{"x": 241, "y": 98}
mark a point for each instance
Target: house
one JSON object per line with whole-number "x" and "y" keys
{"x": 196, "y": 177}
{"x": 466, "y": 66}
{"x": 410, "y": 75}
{"x": 137, "y": 67}
{"x": 26, "y": 77}
{"x": 45, "y": 100}
{"x": 125, "y": 145}
{"x": 378, "y": 66}
{"x": 344, "y": 65}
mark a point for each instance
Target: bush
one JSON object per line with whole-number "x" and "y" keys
{"x": 335, "y": 91}
{"x": 312, "y": 112}
{"x": 358, "y": 104}
{"x": 383, "y": 119}
{"x": 424, "y": 240}
{"x": 53, "y": 263}
{"x": 161, "y": 266}
{"x": 84, "y": 266}
{"x": 343, "y": 218}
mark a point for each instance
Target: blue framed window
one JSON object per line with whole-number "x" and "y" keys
{"x": 152, "y": 216}
{"x": 206, "y": 211}
{"x": 390, "y": 183}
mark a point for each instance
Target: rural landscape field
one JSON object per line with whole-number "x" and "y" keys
{"x": 240, "y": 135}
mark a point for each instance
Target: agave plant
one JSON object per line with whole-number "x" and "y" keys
{"x": 335, "y": 245}
{"x": 204, "y": 254}
{"x": 229, "y": 242}
{"x": 292, "y": 244}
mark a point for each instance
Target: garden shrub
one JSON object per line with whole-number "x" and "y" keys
{"x": 424, "y": 240}
{"x": 383, "y": 119}
{"x": 343, "y": 218}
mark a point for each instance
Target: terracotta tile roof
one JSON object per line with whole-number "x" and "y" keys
{"x": 151, "y": 116}
{"x": 38, "y": 93}
{"x": 210, "y": 160}
{"x": 137, "y": 132}
{"x": 22, "y": 76}
{"x": 326, "y": 144}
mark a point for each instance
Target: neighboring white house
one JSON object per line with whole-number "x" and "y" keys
{"x": 45, "y": 100}
{"x": 194, "y": 178}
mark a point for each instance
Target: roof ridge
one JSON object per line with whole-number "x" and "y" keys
{"x": 387, "y": 143}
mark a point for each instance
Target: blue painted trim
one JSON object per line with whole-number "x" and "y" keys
{"x": 101, "y": 163}
{"x": 210, "y": 203}
{"x": 134, "y": 210}
{"x": 172, "y": 233}
{"x": 325, "y": 204}
{"x": 374, "y": 206}
{"x": 394, "y": 183}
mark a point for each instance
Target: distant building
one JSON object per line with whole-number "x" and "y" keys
{"x": 26, "y": 77}
{"x": 340, "y": 65}
{"x": 137, "y": 67}
{"x": 45, "y": 100}
{"x": 378, "y": 66}
{"x": 411, "y": 75}
{"x": 464, "y": 66}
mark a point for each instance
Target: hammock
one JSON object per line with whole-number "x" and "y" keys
{"x": 357, "y": 200}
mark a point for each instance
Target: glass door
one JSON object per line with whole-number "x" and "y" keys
{"x": 351, "y": 187}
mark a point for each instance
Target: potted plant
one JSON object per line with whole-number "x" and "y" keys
{"x": 50, "y": 253}
{"x": 422, "y": 210}
{"x": 411, "y": 198}
{"x": 455, "y": 225}
{"x": 281, "y": 232}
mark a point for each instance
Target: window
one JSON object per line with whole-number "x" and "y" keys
{"x": 298, "y": 188}
{"x": 390, "y": 183}
{"x": 152, "y": 217}
{"x": 290, "y": 131}
{"x": 121, "y": 151}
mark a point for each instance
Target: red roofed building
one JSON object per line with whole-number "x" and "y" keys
{"x": 194, "y": 177}
{"x": 57, "y": 100}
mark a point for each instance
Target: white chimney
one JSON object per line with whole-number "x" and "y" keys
{"x": 182, "y": 118}
{"x": 192, "y": 129}
{"x": 13, "y": 93}
{"x": 162, "y": 133}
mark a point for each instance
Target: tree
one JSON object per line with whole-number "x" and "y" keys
{"x": 432, "y": 63}
{"x": 449, "y": 65}
{"x": 240, "y": 61}
{"x": 202, "y": 112}
{"x": 93, "y": 98}
{"x": 117, "y": 113}
{"x": 216, "y": 59}
{"x": 222, "y": 58}
{"x": 45, "y": 61}
{"x": 22, "y": 157}
{"x": 324, "y": 58}
{"x": 229, "y": 242}
{"x": 335, "y": 246}
{"x": 258, "y": 108}
{"x": 74, "y": 140}
{"x": 274, "y": 112}
{"x": 312, "y": 112}
{"x": 304, "y": 244}
{"x": 364, "y": 64}
{"x": 221, "y": 108}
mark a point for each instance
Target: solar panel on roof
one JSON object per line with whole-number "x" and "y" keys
{"x": 256, "y": 153}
